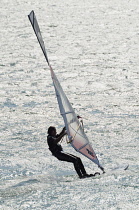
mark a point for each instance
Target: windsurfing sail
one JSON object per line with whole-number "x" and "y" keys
{"x": 75, "y": 131}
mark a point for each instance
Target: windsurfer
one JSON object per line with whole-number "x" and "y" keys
{"x": 53, "y": 140}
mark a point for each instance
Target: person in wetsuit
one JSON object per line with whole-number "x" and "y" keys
{"x": 53, "y": 139}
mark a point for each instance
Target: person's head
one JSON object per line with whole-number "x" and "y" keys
{"x": 52, "y": 131}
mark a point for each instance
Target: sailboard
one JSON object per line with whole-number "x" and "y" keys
{"x": 76, "y": 135}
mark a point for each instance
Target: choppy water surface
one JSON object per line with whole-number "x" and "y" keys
{"x": 93, "y": 48}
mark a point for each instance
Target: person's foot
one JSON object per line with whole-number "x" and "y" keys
{"x": 97, "y": 173}
{"x": 89, "y": 175}
{"x": 85, "y": 176}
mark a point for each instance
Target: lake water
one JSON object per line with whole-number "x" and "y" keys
{"x": 93, "y": 47}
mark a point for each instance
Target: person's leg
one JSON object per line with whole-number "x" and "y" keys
{"x": 80, "y": 164}
{"x": 82, "y": 169}
{"x": 73, "y": 159}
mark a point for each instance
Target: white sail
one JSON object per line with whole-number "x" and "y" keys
{"x": 76, "y": 135}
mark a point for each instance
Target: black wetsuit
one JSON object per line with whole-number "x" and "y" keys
{"x": 57, "y": 151}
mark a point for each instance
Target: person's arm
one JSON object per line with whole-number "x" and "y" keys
{"x": 60, "y": 136}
